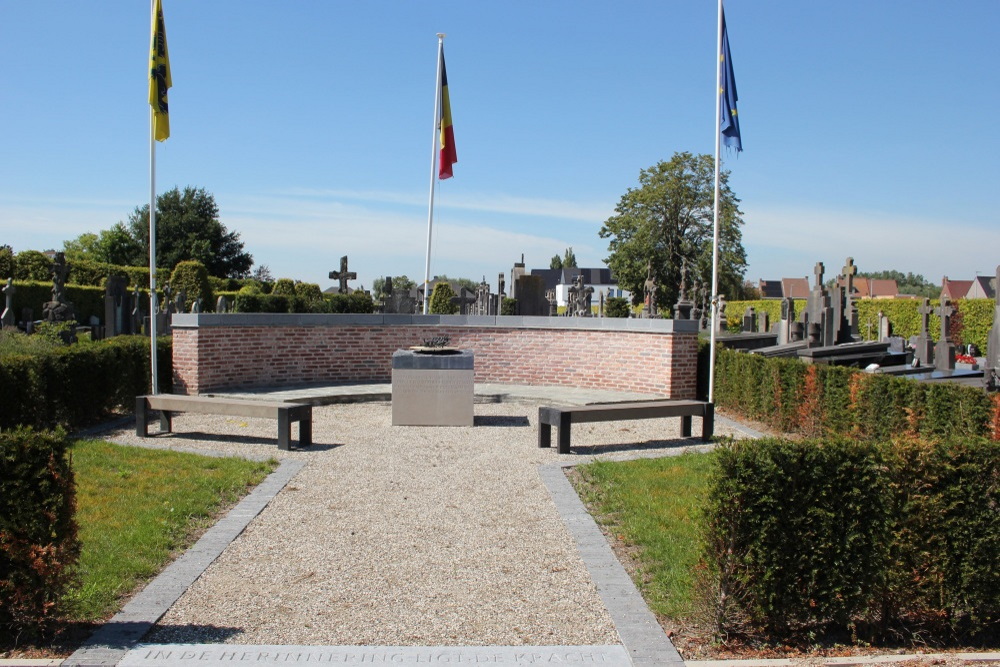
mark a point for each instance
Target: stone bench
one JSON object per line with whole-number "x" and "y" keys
{"x": 285, "y": 413}
{"x": 564, "y": 417}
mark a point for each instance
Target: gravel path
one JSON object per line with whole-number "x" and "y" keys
{"x": 403, "y": 536}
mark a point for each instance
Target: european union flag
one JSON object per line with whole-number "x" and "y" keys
{"x": 729, "y": 120}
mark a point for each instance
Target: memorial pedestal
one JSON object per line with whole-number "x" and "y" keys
{"x": 432, "y": 389}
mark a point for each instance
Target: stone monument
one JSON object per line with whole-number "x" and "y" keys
{"x": 343, "y": 276}
{"x": 59, "y": 309}
{"x": 944, "y": 351}
{"x": 432, "y": 385}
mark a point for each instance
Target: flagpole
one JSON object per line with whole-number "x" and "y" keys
{"x": 435, "y": 149}
{"x": 155, "y": 385}
{"x": 715, "y": 210}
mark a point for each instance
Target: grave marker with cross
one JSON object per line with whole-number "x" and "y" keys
{"x": 944, "y": 351}
{"x": 343, "y": 275}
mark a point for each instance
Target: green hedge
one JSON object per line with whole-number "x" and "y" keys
{"x": 356, "y": 302}
{"x": 861, "y": 536}
{"x": 970, "y": 324}
{"x": 38, "y": 534}
{"x": 79, "y": 384}
{"x": 794, "y": 397}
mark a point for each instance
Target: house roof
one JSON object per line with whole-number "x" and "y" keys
{"x": 553, "y": 277}
{"x": 770, "y": 289}
{"x": 874, "y": 288}
{"x": 954, "y": 289}
{"x": 982, "y": 288}
{"x": 796, "y": 288}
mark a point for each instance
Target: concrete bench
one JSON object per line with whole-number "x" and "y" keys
{"x": 564, "y": 417}
{"x": 285, "y": 413}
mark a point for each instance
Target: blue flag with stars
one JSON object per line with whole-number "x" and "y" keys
{"x": 729, "y": 120}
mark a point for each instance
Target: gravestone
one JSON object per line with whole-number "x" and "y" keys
{"x": 531, "y": 301}
{"x": 852, "y": 331}
{"x": 343, "y": 276}
{"x": 684, "y": 305}
{"x": 723, "y": 321}
{"x": 136, "y": 314}
{"x": 117, "y": 307}
{"x": 944, "y": 351}
{"x": 923, "y": 348}
{"x": 59, "y": 309}
{"x": 649, "y": 290}
{"x": 787, "y": 318}
{"x": 991, "y": 374}
{"x": 884, "y": 326}
{"x": 763, "y": 322}
{"x": 464, "y": 300}
{"x": 553, "y": 303}
{"x": 749, "y": 320}
{"x": 579, "y": 298}
{"x": 7, "y": 318}
{"x": 222, "y": 304}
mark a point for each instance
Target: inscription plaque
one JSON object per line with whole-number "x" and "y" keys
{"x": 432, "y": 389}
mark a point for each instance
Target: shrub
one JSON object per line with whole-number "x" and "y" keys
{"x": 78, "y": 385}
{"x": 191, "y": 277}
{"x": 441, "y": 300}
{"x": 38, "y": 535}
{"x": 32, "y": 265}
{"x": 284, "y": 287}
{"x": 890, "y": 535}
{"x": 6, "y": 262}
{"x": 508, "y": 306}
{"x": 616, "y": 306}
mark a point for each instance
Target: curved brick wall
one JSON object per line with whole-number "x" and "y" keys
{"x": 215, "y": 352}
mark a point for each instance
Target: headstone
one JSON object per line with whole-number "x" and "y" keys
{"x": 884, "y": 326}
{"x": 59, "y": 309}
{"x": 787, "y": 319}
{"x": 944, "y": 351}
{"x": 550, "y": 295}
{"x": 850, "y": 306}
{"x": 500, "y": 286}
{"x": 531, "y": 299}
{"x": 117, "y": 307}
{"x": 649, "y": 290}
{"x": 923, "y": 349}
{"x": 579, "y": 298}
{"x": 723, "y": 323}
{"x": 196, "y": 305}
{"x": 600, "y": 306}
{"x": 763, "y": 322}
{"x": 464, "y": 300}
{"x": 136, "y": 315}
{"x": 991, "y": 372}
{"x": 222, "y": 304}
{"x": 516, "y": 274}
{"x": 7, "y": 320}
{"x": 343, "y": 276}
{"x": 28, "y": 318}
{"x": 749, "y": 320}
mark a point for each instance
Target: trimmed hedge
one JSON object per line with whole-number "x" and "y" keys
{"x": 80, "y": 384}
{"x": 861, "y": 536}
{"x": 356, "y": 302}
{"x": 970, "y": 324}
{"x": 794, "y": 397}
{"x": 38, "y": 534}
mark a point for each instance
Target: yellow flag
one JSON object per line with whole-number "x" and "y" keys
{"x": 159, "y": 75}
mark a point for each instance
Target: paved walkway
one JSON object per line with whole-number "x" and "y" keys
{"x": 642, "y": 642}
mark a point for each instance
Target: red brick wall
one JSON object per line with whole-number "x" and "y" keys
{"x": 226, "y": 357}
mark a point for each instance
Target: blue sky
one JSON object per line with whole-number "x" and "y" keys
{"x": 869, "y": 126}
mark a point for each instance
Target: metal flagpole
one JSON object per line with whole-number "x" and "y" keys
{"x": 152, "y": 235}
{"x": 715, "y": 211}
{"x": 435, "y": 149}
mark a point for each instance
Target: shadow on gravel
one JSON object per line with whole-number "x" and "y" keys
{"x": 239, "y": 440}
{"x": 500, "y": 420}
{"x": 649, "y": 445}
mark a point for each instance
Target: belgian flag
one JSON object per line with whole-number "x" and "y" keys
{"x": 448, "y": 155}
{"x": 159, "y": 75}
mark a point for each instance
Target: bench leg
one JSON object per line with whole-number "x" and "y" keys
{"x": 708, "y": 423}
{"x": 544, "y": 431}
{"x": 565, "y": 420}
{"x": 686, "y": 426}
{"x": 141, "y": 427}
{"x": 284, "y": 430}
{"x": 166, "y": 421}
{"x": 305, "y": 432}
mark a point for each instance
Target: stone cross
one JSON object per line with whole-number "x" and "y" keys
{"x": 818, "y": 270}
{"x": 945, "y": 311}
{"x": 463, "y": 300}
{"x": 849, "y": 271}
{"x": 925, "y": 311}
{"x": 343, "y": 275}
{"x": 7, "y": 318}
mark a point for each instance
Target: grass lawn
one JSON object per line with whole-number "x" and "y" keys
{"x": 654, "y": 505}
{"x": 137, "y": 508}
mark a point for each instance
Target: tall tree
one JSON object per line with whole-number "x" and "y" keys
{"x": 667, "y": 221}
{"x": 111, "y": 246}
{"x": 569, "y": 259}
{"x": 188, "y": 228}
{"x": 556, "y": 262}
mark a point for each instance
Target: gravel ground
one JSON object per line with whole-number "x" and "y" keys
{"x": 403, "y": 536}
